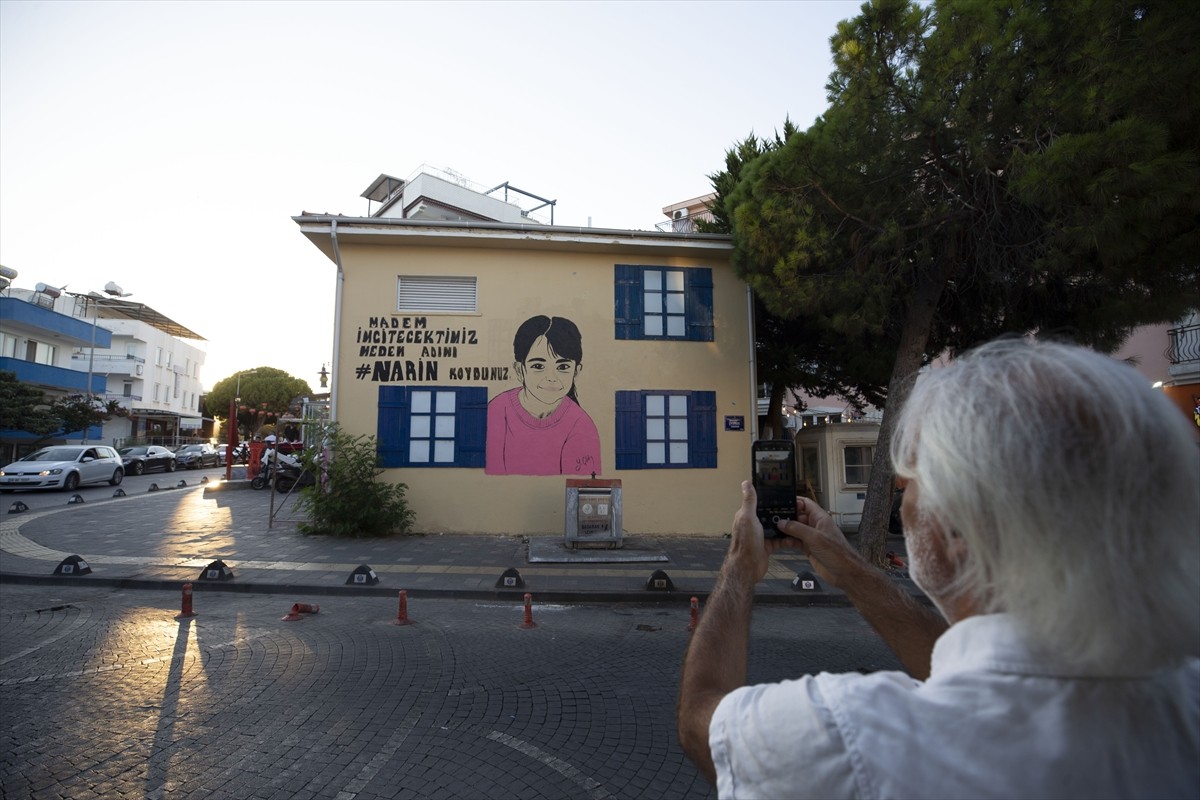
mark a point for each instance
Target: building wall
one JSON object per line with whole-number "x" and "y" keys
{"x": 515, "y": 283}
{"x": 145, "y": 356}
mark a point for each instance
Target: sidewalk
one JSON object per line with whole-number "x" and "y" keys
{"x": 164, "y": 539}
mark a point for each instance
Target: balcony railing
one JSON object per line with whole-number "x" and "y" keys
{"x": 1183, "y": 345}
{"x": 105, "y": 364}
{"x": 677, "y": 225}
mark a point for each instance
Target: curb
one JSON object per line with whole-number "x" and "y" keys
{"x": 815, "y": 599}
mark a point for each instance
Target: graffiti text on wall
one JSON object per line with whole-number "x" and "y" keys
{"x": 409, "y": 350}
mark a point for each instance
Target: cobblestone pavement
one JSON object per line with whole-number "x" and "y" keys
{"x": 105, "y": 694}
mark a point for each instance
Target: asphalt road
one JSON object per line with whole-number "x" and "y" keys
{"x": 39, "y": 499}
{"x": 105, "y": 694}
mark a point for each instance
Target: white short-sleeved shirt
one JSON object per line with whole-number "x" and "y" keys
{"x": 992, "y": 720}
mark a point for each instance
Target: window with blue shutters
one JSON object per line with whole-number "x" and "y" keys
{"x": 666, "y": 429}
{"x": 663, "y": 303}
{"x": 432, "y": 426}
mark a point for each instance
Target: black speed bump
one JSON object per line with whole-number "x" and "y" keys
{"x": 806, "y": 582}
{"x": 216, "y": 571}
{"x": 119, "y": 493}
{"x": 72, "y": 565}
{"x": 510, "y": 579}
{"x": 659, "y": 581}
{"x": 75, "y": 500}
{"x": 17, "y": 507}
{"x": 362, "y": 575}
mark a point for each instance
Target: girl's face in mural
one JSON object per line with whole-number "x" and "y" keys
{"x": 546, "y": 376}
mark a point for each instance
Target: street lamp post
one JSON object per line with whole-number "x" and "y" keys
{"x": 233, "y": 424}
{"x": 112, "y": 290}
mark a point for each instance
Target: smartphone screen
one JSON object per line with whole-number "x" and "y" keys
{"x": 775, "y": 483}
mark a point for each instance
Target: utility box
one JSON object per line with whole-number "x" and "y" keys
{"x": 593, "y": 513}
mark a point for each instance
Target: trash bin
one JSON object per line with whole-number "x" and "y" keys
{"x": 593, "y": 513}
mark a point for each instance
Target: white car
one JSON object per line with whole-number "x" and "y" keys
{"x": 63, "y": 467}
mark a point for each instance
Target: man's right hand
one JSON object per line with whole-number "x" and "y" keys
{"x": 815, "y": 532}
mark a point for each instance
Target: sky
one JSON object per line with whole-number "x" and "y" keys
{"x": 166, "y": 146}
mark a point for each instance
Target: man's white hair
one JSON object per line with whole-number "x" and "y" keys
{"x": 1076, "y": 487}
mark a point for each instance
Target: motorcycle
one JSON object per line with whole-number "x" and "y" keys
{"x": 240, "y": 454}
{"x": 287, "y": 471}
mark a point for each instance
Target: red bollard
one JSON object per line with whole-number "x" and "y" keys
{"x": 402, "y": 614}
{"x": 528, "y": 623}
{"x": 186, "y": 612}
{"x": 298, "y": 609}
{"x": 695, "y": 614}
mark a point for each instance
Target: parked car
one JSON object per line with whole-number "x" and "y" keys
{"x": 197, "y": 456}
{"x": 63, "y": 467}
{"x": 147, "y": 458}
{"x": 220, "y": 448}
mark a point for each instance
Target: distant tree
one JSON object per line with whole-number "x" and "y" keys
{"x": 266, "y": 393}
{"x": 76, "y": 413}
{"x": 983, "y": 167}
{"x": 25, "y": 408}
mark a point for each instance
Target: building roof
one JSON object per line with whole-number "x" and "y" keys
{"x": 140, "y": 312}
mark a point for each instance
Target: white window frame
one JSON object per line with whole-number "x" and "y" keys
{"x": 865, "y": 467}
{"x": 666, "y": 430}
{"x": 431, "y": 435}
{"x": 664, "y": 302}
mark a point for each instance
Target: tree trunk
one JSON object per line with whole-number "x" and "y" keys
{"x": 774, "y": 428}
{"x": 914, "y": 336}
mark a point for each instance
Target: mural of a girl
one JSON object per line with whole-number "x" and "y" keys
{"x": 539, "y": 427}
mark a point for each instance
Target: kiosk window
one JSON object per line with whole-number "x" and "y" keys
{"x": 857, "y": 459}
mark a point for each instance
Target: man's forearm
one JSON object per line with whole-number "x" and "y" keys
{"x": 715, "y": 662}
{"x": 908, "y": 627}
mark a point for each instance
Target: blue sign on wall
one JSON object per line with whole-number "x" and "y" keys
{"x": 735, "y": 423}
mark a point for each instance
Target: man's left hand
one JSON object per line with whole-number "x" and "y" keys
{"x": 748, "y": 556}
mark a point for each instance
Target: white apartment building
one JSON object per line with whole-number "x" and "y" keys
{"x": 135, "y": 355}
{"x": 152, "y": 369}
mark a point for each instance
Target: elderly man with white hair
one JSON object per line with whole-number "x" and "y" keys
{"x": 1052, "y": 515}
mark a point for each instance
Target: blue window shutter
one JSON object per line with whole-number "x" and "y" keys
{"x": 630, "y": 430}
{"x": 627, "y": 307}
{"x": 470, "y": 425}
{"x": 391, "y": 433}
{"x": 702, "y": 429}
{"x": 700, "y": 304}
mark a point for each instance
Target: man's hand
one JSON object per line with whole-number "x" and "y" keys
{"x": 815, "y": 532}
{"x": 748, "y": 557}
{"x": 909, "y": 628}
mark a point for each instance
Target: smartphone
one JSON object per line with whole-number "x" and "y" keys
{"x": 774, "y": 482}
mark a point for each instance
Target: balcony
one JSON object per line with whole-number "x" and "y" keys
{"x": 677, "y": 225}
{"x": 104, "y": 364}
{"x": 45, "y": 376}
{"x": 1183, "y": 352}
{"x": 1184, "y": 344}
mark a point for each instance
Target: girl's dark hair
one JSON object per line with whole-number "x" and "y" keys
{"x": 561, "y": 334}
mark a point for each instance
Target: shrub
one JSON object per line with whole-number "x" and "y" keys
{"x": 349, "y": 500}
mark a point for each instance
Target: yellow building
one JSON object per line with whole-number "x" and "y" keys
{"x": 494, "y": 360}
